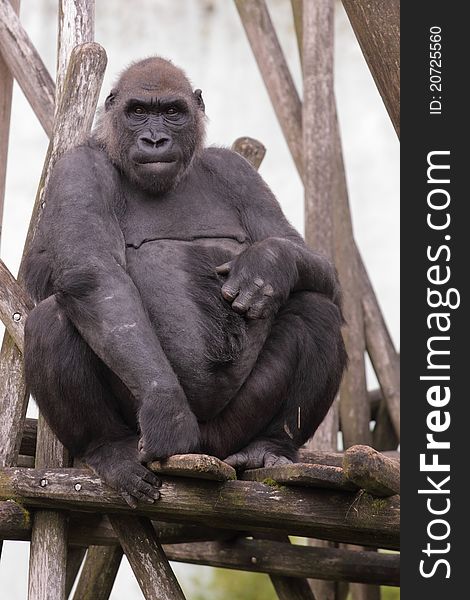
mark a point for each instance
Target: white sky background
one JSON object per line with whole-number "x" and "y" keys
{"x": 206, "y": 38}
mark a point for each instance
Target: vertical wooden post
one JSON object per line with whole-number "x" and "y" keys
{"x": 317, "y": 129}
{"x": 6, "y": 90}
{"x": 74, "y": 117}
{"x": 99, "y": 573}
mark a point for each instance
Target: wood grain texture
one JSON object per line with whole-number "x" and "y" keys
{"x": 75, "y": 556}
{"x": 99, "y": 573}
{"x": 76, "y": 26}
{"x": 197, "y": 466}
{"x": 146, "y": 557}
{"x": 372, "y": 471}
{"x": 6, "y": 89}
{"x": 304, "y": 475}
{"x": 376, "y": 24}
{"x": 15, "y": 305}
{"x": 26, "y": 66}
{"x": 240, "y": 505}
{"x": 251, "y": 149}
{"x": 275, "y": 72}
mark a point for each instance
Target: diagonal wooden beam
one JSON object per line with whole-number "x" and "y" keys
{"x": 26, "y": 66}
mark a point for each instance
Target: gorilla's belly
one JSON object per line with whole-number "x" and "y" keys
{"x": 211, "y": 348}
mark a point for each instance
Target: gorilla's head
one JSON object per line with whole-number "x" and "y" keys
{"x": 152, "y": 124}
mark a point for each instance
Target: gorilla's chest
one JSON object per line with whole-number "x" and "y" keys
{"x": 191, "y": 214}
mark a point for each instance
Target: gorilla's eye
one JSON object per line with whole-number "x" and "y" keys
{"x": 172, "y": 111}
{"x": 138, "y": 110}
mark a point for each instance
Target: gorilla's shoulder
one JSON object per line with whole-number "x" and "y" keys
{"x": 87, "y": 158}
{"x": 225, "y": 162}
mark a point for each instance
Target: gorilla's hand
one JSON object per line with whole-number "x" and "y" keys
{"x": 260, "y": 279}
{"x": 168, "y": 427}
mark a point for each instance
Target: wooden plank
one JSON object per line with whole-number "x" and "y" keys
{"x": 240, "y": 505}
{"x": 275, "y": 72}
{"x": 251, "y": 149}
{"x": 146, "y": 557}
{"x": 372, "y": 471}
{"x": 75, "y": 556}
{"x": 376, "y": 24}
{"x": 288, "y": 588}
{"x": 86, "y": 529}
{"x": 76, "y": 26}
{"x": 99, "y": 573}
{"x": 26, "y": 66}
{"x": 302, "y": 474}
{"x": 197, "y": 466}
{"x": 15, "y": 305}
{"x": 384, "y": 357}
{"x": 6, "y": 90}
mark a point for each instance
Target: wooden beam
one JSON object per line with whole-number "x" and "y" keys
{"x": 147, "y": 559}
{"x": 275, "y": 72}
{"x": 26, "y": 66}
{"x": 15, "y": 305}
{"x": 75, "y": 556}
{"x": 6, "y": 91}
{"x": 372, "y": 471}
{"x": 251, "y": 149}
{"x": 376, "y": 24}
{"x": 99, "y": 573}
{"x": 240, "y": 505}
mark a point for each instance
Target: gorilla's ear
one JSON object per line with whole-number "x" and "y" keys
{"x": 108, "y": 103}
{"x": 199, "y": 100}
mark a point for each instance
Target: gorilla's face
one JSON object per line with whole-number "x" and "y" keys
{"x": 153, "y": 125}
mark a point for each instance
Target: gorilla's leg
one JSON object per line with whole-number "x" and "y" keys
{"x": 71, "y": 387}
{"x": 289, "y": 391}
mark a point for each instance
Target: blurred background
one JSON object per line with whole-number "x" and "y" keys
{"x": 206, "y": 39}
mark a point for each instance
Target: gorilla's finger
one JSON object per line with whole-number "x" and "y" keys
{"x": 244, "y": 299}
{"x": 132, "y": 502}
{"x": 230, "y": 290}
{"x": 237, "y": 461}
{"x": 224, "y": 269}
{"x": 152, "y": 479}
{"x": 274, "y": 460}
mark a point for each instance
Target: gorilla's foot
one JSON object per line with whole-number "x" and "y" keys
{"x": 117, "y": 464}
{"x": 261, "y": 453}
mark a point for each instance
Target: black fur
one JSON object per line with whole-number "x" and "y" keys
{"x": 178, "y": 311}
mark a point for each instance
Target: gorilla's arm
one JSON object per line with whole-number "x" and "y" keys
{"x": 87, "y": 252}
{"x": 278, "y": 262}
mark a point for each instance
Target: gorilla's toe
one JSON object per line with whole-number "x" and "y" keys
{"x": 137, "y": 484}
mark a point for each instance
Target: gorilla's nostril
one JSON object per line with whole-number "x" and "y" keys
{"x": 163, "y": 141}
{"x": 154, "y": 142}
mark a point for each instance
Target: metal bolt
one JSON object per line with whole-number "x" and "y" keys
{"x": 16, "y": 317}
{"x": 43, "y": 205}
{"x": 44, "y": 482}
{"x": 254, "y": 560}
{"x": 78, "y": 487}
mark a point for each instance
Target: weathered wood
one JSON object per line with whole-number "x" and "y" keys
{"x": 335, "y": 459}
{"x": 26, "y": 66}
{"x": 76, "y": 26}
{"x": 361, "y": 591}
{"x": 384, "y": 436}
{"x": 86, "y": 529}
{"x": 146, "y": 557}
{"x": 383, "y": 355}
{"x": 197, "y": 466}
{"x": 13, "y": 401}
{"x": 6, "y": 89}
{"x": 317, "y": 123}
{"x": 75, "y": 556}
{"x": 376, "y": 24}
{"x": 15, "y": 521}
{"x": 302, "y": 474}
{"x": 372, "y": 471}
{"x": 354, "y": 405}
{"x": 240, "y": 505}
{"x": 275, "y": 72}
{"x": 98, "y": 573}
{"x": 14, "y": 305}
{"x": 73, "y": 122}
{"x": 251, "y": 149}
{"x": 48, "y": 554}
{"x": 288, "y": 588}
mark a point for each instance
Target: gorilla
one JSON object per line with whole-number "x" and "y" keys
{"x": 177, "y": 311}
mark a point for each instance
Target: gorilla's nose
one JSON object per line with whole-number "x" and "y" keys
{"x": 149, "y": 142}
